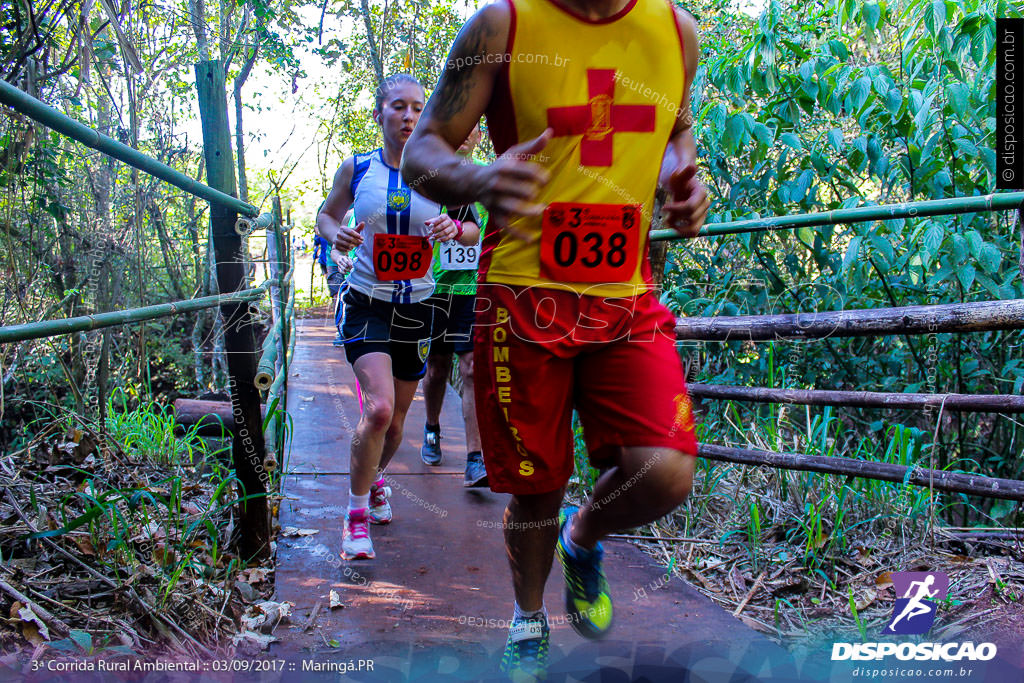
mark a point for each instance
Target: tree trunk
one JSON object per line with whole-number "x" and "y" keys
{"x": 658, "y": 251}
{"x": 994, "y": 403}
{"x": 197, "y": 17}
{"x": 243, "y": 184}
{"x": 978, "y": 316}
{"x": 378, "y": 68}
{"x": 248, "y": 448}
{"x": 156, "y": 219}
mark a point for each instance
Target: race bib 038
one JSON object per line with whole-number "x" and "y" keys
{"x": 589, "y": 242}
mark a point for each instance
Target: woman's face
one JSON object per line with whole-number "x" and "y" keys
{"x": 399, "y": 113}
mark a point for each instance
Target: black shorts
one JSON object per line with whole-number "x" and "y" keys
{"x": 400, "y": 330}
{"x": 453, "y": 323}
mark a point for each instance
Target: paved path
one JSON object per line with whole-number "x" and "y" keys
{"x": 434, "y": 604}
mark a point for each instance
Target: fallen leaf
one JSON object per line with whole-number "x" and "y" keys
{"x": 737, "y": 579}
{"x": 265, "y": 616}
{"x": 164, "y": 556}
{"x": 247, "y": 592}
{"x": 756, "y": 625}
{"x": 863, "y": 557}
{"x": 84, "y": 545}
{"x": 31, "y": 633}
{"x": 258, "y": 575}
{"x": 295, "y": 531}
{"x": 884, "y": 580}
{"x": 28, "y": 617}
{"x": 261, "y": 640}
{"x": 866, "y": 599}
{"x": 335, "y": 599}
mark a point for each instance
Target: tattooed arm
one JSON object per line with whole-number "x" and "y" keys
{"x": 689, "y": 202}
{"x": 429, "y": 161}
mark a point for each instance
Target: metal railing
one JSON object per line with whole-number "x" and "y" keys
{"x": 958, "y": 318}
{"x": 51, "y": 118}
{"x": 226, "y": 212}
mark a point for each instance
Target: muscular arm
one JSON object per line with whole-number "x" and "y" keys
{"x": 429, "y": 161}
{"x": 689, "y": 202}
{"x": 330, "y": 219}
{"x": 682, "y": 148}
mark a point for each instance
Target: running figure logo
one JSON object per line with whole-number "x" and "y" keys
{"x": 914, "y": 613}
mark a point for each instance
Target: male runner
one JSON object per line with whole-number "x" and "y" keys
{"x": 453, "y": 301}
{"x": 564, "y": 315}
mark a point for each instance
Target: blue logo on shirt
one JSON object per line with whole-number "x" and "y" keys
{"x": 398, "y": 200}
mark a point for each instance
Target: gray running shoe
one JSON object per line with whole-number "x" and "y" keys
{"x": 476, "y": 474}
{"x": 430, "y": 452}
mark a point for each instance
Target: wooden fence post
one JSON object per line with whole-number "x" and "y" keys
{"x": 247, "y": 449}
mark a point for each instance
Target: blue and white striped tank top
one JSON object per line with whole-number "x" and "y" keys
{"x": 388, "y": 206}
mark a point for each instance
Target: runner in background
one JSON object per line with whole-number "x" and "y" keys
{"x": 386, "y": 328}
{"x": 321, "y": 247}
{"x": 454, "y": 296}
{"x": 337, "y": 283}
{"x": 566, "y": 317}
{"x": 335, "y": 267}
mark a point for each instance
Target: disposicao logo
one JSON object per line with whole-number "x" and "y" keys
{"x": 914, "y": 614}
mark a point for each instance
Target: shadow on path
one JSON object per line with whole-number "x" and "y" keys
{"x": 435, "y": 602}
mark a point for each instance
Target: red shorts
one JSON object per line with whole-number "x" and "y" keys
{"x": 538, "y": 353}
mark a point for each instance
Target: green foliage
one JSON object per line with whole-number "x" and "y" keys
{"x": 412, "y": 37}
{"x": 161, "y": 521}
{"x": 826, "y": 106}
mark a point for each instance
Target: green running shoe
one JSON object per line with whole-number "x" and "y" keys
{"x": 526, "y": 652}
{"x": 588, "y": 601}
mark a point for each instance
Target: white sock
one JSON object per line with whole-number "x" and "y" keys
{"x": 518, "y": 614}
{"x": 358, "y": 502}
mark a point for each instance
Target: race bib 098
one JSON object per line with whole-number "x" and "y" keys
{"x": 400, "y": 257}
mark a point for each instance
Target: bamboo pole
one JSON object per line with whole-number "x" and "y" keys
{"x": 267, "y": 369}
{"x": 245, "y": 226}
{"x": 886, "y": 212}
{"x": 247, "y": 448}
{"x": 981, "y": 403}
{"x": 978, "y": 316}
{"x": 50, "y": 117}
{"x": 270, "y": 354}
{"x": 957, "y": 482}
{"x": 53, "y": 328}
{"x": 282, "y": 375}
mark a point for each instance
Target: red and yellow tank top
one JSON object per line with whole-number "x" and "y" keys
{"x": 610, "y": 90}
